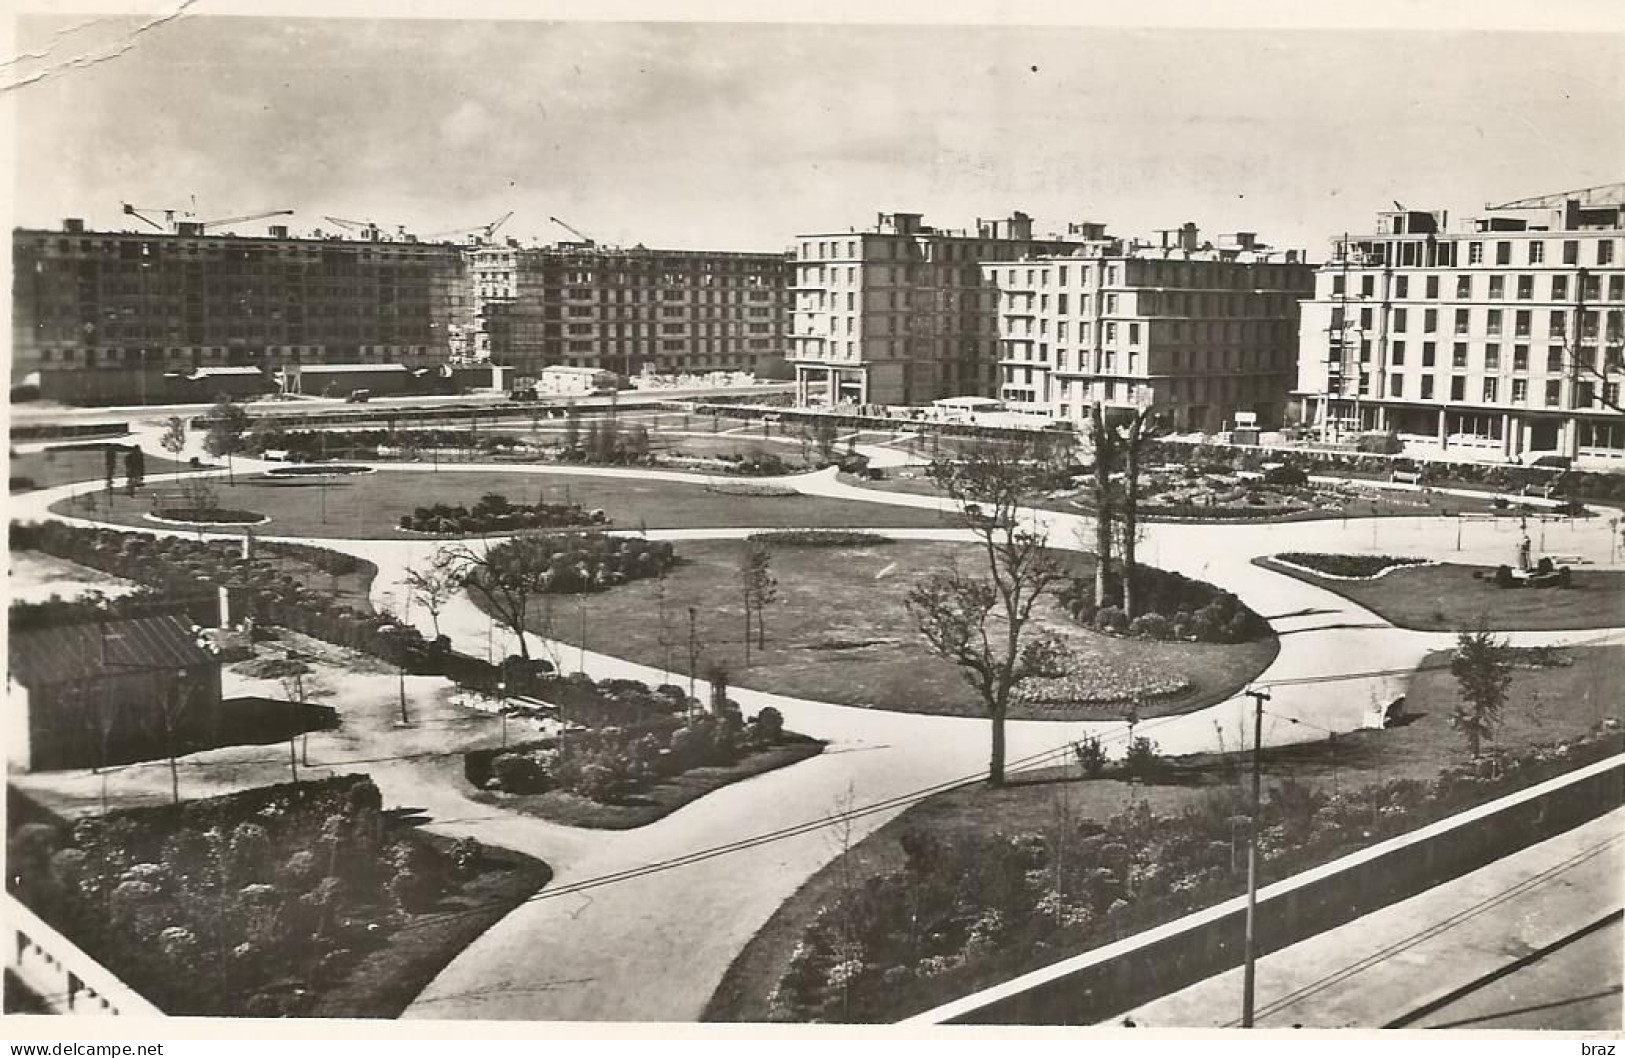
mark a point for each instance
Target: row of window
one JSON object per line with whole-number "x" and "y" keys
{"x": 1490, "y": 287}
{"x": 1585, "y": 394}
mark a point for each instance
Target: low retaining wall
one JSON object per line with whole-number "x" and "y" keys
{"x": 68, "y": 980}
{"x": 1093, "y": 987}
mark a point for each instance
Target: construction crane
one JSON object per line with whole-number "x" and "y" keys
{"x": 1601, "y": 195}
{"x": 486, "y": 231}
{"x": 140, "y": 213}
{"x": 248, "y": 217}
{"x": 571, "y": 230}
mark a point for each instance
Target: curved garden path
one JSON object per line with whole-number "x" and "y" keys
{"x": 653, "y": 947}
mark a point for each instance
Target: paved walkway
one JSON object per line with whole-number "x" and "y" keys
{"x": 1398, "y": 963}
{"x": 654, "y": 946}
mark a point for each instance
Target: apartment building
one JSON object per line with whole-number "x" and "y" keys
{"x": 629, "y": 310}
{"x": 902, "y": 313}
{"x": 1502, "y": 339}
{"x": 1201, "y": 331}
{"x": 115, "y": 315}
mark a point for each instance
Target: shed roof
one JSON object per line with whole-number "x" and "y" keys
{"x": 341, "y": 369}
{"x": 94, "y": 650}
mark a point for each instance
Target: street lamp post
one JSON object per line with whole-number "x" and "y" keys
{"x": 1249, "y": 938}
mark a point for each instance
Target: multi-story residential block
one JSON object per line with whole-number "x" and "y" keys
{"x": 629, "y": 310}
{"x": 1200, "y": 331}
{"x": 902, "y": 313}
{"x": 1502, "y": 339}
{"x": 107, "y": 315}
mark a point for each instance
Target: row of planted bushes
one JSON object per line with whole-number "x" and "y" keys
{"x": 495, "y": 513}
{"x": 609, "y": 764}
{"x": 1355, "y": 566}
{"x": 1600, "y": 485}
{"x": 247, "y": 904}
{"x": 1169, "y": 605}
{"x": 968, "y": 909}
{"x": 574, "y": 562}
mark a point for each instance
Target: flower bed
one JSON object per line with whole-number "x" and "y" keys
{"x": 819, "y": 538}
{"x": 259, "y": 903}
{"x": 493, "y": 513}
{"x": 967, "y": 909}
{"x": 573, "y": 562}
{"x": 749, "y": 489}
{"x": 1086, "y": 679}
{"x": 1346, "y": 567}
{"x": 206, "y": 516}
{"x": 320, "y": 470}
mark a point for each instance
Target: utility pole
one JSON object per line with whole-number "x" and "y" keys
{"x": 693, "y": 656}
{"x": 1249, "y": 939}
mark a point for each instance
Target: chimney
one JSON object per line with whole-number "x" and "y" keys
{"x": 278, "y": 231}
{"x": 74, "y": 225}
{"x": 1188, "y": 236}
{"x": 1021, "y": 226}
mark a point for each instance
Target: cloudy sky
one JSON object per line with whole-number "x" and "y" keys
{"x": 741, "y": 135}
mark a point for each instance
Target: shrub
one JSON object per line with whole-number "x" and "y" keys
{"x": 1150, "y": 626}
{"x": 770, "y": 724}
{"x": 1141, "y": 761}
{"x": 519, "y": 773}
{"x": 1111, "y": 619}
{"x": 466, "y": 853}
{"x": 1503, "y": 576}
{"x": 1286, "y": 475}
{"x": 1091, "y": 757}
{"x": 413, "y": 892}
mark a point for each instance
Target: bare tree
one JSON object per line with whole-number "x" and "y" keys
{"x": 173, "y": 440}
{"x": 434, "y": 584}
{"x": 759, "y": 588}
{"x": 1132, "y": 439}
{"x": 980, "y": 623}
{"x": 1103, "y": 439}
{"x": 508, "y": 576}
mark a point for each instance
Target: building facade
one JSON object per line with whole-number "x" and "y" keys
{"x": 902, "y": 313}
{"x": 628, "y": 310}
{"x": 1501, "y": 340}
{"x": 111, "y": 314}
{"x": 1200, "y": 331}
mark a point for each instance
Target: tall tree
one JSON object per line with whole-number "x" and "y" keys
{"x": 982, "y": 623}
{"x": 1103, "y": 440}
{"x": 135, "y": 469}
{"x": 1482, "y": 666}
{"x": 1132, "y": 440}
{"x": 572, "y": 427}
{"x": 228, "y": 429}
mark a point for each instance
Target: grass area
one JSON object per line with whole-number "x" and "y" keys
{"x": 386, "y": 981}
{"x": 1547, "y": 704}
{"x": 51, "y": 468}
{"x": 1449, "y": 597}
{"x": 660, "y": 800}
{"x": 370, "y": 506}
{"x": 839, "y": 632}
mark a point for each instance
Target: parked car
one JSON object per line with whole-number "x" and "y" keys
{"x": 522, "y": 394}
{"x": 358, "y": 396}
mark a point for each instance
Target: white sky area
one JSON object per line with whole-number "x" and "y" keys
{"x": 741, "y": 136}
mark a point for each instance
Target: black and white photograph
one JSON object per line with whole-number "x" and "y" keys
{"x": 744, "y": 516}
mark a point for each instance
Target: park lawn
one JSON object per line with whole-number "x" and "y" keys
{"x": 386, "y": 981}
{"x": 63, "y": 467}
{"x": 839, "y": 632}
{"x": 369, "y": 506}
{"x": 1449, "y": 597}
{"x": 659, "y": 800}
{"x": 1547, "y": 705}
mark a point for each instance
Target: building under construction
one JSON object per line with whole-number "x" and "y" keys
{"x": 629, "y": 310}
{"x": 105, "y": 317}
